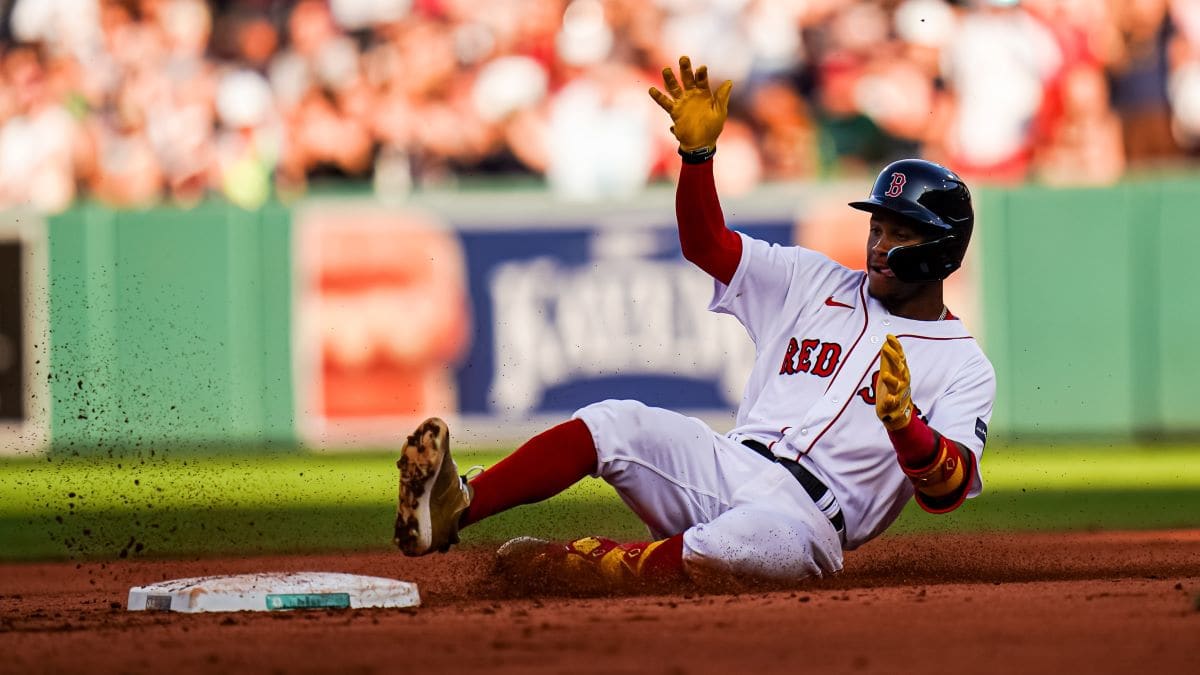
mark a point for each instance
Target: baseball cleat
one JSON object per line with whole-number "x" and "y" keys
{"x": 521, "y": 554}
{"x": 432, "y": 494}
{"x": 533, "y": 565}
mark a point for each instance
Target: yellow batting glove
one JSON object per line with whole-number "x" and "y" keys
{"x": 698, "y": 115}
{"x": 893, "y": 397}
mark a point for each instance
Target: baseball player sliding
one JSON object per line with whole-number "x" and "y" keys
{"x": 866, "y": 391}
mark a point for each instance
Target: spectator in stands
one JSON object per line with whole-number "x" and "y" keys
{"x": 38, "y": 136}
{"x": 1139, "y": 81}
{"x": 1184, "y": 79}
{"x": 138, "y": 101}
{"x": 1083, "y": 146}
{"x": 999, "y": 66}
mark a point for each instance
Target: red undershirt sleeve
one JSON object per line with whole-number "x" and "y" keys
{"x": 705, "y": 240}
{"x": 914, "y": 444}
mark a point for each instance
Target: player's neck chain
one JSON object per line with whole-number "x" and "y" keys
{"x": 945, "y": 311}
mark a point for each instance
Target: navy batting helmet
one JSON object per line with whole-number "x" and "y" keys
{"x": 938, "y": 201}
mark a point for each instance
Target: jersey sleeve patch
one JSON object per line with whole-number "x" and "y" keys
{"x": 981, "y": 430}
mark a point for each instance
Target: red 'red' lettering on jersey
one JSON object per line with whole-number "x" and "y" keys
{"x": 789, "y": 363}
{"x": 806, "y": 348}
{"x": 827, "y": 359}
{"x": 896, "y": 188}
{"x": 805, "y": 356}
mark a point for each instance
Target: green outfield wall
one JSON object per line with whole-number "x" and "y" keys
{"x": 170, "y": 326}
{"x": 174, "y": 326}
{"x": 1092, "y": 303}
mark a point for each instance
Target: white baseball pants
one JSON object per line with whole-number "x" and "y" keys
{"x": 741, "y": 515}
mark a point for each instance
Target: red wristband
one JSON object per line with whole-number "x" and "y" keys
{"x": 915, "y": 444}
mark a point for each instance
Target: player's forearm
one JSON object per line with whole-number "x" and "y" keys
{"x": 940, "y": 469}
{"x": 705, "y": 240}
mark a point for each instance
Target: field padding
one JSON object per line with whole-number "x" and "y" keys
{"x": 272, "y": 592}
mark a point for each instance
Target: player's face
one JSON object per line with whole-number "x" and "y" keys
{"x": 887, "y": 232}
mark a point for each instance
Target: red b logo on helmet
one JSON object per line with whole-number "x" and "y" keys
{"x": 897, "y": 186}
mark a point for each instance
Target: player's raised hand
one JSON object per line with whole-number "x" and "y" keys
{"x": 893, "y": 398}
{"x": 698, "y": 115}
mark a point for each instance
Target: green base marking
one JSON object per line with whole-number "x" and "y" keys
{"x": 307, "y": 601}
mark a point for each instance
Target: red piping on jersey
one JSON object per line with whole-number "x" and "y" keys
{"x": 845, "y": 405}
{"x": 782, "y": 432}
{"x": 928, "y": 337}
{"x": 862, "y": 300}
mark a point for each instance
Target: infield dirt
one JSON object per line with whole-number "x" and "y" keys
{"x": 1096, "y": 603}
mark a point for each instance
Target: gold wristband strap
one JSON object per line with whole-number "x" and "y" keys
{"x": 956, "y": 469}
{"x": 953, "y": 475}
{"x": 945, "y": 475}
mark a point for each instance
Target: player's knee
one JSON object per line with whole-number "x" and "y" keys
{"x": 615, "y": 418}
{"x": 630, "y": 428}
{"x": 614, "y": 408}
{"x": 761, "y": 550}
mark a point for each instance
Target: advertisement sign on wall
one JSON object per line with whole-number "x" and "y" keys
{"x": 500, "y": 327}
{"x": 569, "y": 316}
{"x": 381, "y": 316}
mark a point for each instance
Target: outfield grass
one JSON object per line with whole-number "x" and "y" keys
{"x": 259, "y": 503}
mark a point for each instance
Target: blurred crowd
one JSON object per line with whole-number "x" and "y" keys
{"x": 137, "y": 102}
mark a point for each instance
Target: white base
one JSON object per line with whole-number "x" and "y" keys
{"x": 268, "y": 592}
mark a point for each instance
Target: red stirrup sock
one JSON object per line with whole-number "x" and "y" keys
{"x": 544, "y": 466}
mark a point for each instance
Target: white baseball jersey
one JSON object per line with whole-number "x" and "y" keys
{"x": 811, "y": 393}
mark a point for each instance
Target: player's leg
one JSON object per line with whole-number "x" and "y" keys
{"x": 673, "y": 471}
{"x": 666, "y": 468}
{"x": 716, "y": 507}
{"x": 746, "y": 545}
{"x": 735, "y": 512}
{"x": 542, "y": 467}
{"x": 661, "y": 463}
{"x": 654, "y": 457}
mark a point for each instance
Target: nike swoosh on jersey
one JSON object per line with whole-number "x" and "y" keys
{"x": 834, "y": 303}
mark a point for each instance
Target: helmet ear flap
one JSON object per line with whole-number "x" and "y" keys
{"x": 929, "y": 261}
